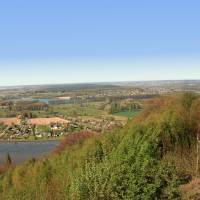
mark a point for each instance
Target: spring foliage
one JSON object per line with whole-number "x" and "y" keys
{"x": 141, "y": 161}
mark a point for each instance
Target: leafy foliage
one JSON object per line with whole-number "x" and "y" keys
{"x": 132, "y": 163}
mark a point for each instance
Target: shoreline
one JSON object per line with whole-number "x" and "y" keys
{"x": 45, "y": 140}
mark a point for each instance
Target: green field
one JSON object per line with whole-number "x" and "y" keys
{"x": 129, "y": 114}
{"x": 68, "y": 110}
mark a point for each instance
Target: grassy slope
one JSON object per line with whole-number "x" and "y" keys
{"x": 129, "y": 114}
{"x": 142, "y": 161}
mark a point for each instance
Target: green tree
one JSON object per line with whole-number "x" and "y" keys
{"x": 8, "y": 160}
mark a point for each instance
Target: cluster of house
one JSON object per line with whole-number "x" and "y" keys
{"x": 53, "y": 127}
{"x": 16, "y": 132}
{"x": 15, "y": 128}
{"x": 94, "y": 125}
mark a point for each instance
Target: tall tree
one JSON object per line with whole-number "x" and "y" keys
{"x": 8, "y": 160}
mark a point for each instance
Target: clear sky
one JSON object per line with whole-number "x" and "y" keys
{"x": 66, "y": 41}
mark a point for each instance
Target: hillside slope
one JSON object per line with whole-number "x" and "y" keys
{"x": 148, "y": 159}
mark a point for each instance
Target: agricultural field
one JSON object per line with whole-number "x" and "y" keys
{"x": 9, "y": 121}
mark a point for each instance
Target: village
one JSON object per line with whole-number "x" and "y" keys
{"x": 51, "y": 128}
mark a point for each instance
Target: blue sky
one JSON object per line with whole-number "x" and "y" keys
{"x": 63, "y": 41}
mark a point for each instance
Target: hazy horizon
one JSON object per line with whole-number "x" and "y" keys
{"x": 104, "y": 83}
{"x": 44, "y": 42}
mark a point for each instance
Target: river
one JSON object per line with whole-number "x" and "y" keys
{"x": 21, "y": 151}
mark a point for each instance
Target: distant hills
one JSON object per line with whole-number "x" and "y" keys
{"x": 185, "y": 85}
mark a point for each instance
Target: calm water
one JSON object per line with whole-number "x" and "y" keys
{"x": 54, "y": 101}
{"x": 43, "y": 100}
{"x": 21, "y": 151}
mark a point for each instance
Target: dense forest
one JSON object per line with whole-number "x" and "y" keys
{"x": 153, "y": 157}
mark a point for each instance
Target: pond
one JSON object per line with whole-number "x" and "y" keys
{"x": 21, "y": 151}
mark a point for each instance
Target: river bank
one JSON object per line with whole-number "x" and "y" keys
{"x": 20, "y": 151}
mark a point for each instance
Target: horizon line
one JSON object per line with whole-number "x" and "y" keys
{"x": 97, "y": 82}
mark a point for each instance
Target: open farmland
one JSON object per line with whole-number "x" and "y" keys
{"x": 34, "y": 121}
{"x": 10, "y": 121}
{"x": 47, "y": 121}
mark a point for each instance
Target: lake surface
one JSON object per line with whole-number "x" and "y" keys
{"x": 21, "y": 151}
